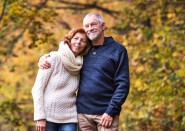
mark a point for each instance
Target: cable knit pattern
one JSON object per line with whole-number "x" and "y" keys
{"x": 54, "y": 92}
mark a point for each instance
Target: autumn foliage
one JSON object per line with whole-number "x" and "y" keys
{"x": 152, "y": 31}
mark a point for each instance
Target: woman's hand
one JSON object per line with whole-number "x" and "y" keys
{"x": 41, "y": 125}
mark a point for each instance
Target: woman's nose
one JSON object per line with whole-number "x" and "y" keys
{"x": 78, "y": 41}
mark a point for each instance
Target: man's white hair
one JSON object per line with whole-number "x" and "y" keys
{"x": 98, "y": 16}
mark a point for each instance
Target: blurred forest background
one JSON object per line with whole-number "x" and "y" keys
{"x": 153, "y": 31}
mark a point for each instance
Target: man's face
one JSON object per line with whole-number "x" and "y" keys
{"x": 92, "y": 27}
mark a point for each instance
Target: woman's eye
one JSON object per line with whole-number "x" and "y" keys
{"x": 76, "y": 38}
{"x": 84, "y": 41}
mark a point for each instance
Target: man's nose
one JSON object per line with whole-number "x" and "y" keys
{"x": 90, "y": 27}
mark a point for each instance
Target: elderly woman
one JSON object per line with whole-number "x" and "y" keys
{"x": 54, "y": 89}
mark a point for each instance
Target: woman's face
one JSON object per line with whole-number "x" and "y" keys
{"x": 78, "y": 43}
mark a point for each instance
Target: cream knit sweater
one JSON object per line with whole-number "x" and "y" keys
{"x": 54, "y": 92}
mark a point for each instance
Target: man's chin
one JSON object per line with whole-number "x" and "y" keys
{"x": 92, "y": 38}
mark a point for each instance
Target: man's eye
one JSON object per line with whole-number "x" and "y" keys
{"x": 93, "y": 24}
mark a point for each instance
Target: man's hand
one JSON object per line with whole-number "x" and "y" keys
{"x": 43, "y": 62}
{"x": 41, "y": 125}
{"x": 106, "y": 120}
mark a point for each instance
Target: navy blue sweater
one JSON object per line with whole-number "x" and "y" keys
{"x": 104, "y": 83}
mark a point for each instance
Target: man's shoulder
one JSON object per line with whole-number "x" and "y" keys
{"x": 111, "y": 40}
{"x": 118, "y": 46}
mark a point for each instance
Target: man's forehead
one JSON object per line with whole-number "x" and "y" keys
{"x": 89, "y": 19}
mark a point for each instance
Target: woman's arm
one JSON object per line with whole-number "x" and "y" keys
{"x": 40, "y": 84}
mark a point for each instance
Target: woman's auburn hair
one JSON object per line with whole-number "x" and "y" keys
{"x": 70, "y": 35}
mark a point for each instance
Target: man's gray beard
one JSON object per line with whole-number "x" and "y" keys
{"x": 94, "y": 37}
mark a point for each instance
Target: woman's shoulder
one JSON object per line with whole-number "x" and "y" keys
{"x": 54, "y": 56}
{"x": 54, "y": 53}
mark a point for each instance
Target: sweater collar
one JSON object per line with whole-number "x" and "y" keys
{"x": 107, "y": 40}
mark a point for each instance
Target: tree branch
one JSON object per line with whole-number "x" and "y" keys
{"x": 81, "y": 6}
{"x": 41, "y": 5}
{"x": 2, "y": 13}
{"x": 38, "y": 6}
{"x": 13, "y": 41}
{"x": 64, "y": 24}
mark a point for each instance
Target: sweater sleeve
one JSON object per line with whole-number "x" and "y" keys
{"x": 122, "y": 85}
{"x": 40, "y": 84}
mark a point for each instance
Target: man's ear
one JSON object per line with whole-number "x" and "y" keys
{"x": 103, "y": 26}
